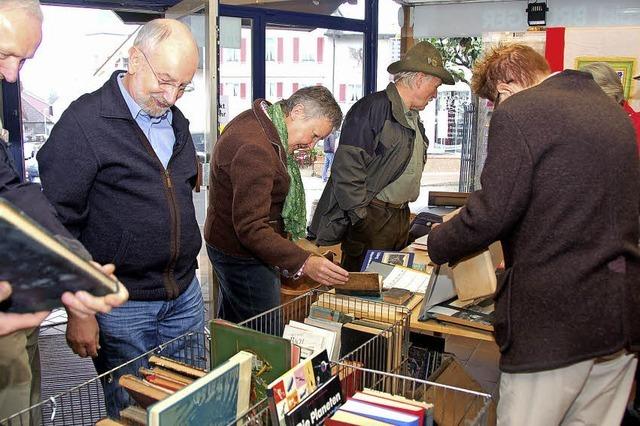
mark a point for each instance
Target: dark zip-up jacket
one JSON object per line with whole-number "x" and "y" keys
{"x": 376, "y": 144}
{"x": 27, "y": 196}
{"x": 111, "y": 191}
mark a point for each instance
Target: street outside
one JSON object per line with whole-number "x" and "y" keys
{"x": 440, "y": 174}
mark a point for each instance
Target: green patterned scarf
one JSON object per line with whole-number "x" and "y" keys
{"x": 294, "y": 211}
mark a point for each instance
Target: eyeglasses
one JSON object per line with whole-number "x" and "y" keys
{"x": 184, "y": 88}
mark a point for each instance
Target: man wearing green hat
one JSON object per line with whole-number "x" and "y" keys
{"x": 377, "y": 168}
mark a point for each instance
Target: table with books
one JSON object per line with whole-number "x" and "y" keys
{"x": 434, "y": 326}
{"x": 445, "y": 314}
{"x": 320, "y": 358}
{"x": 377, "y": 261}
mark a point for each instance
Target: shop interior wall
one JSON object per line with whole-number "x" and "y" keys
{"x": 474, "y": 19}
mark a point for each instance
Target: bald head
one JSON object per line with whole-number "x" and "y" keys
{"x": 162, "y": 62}
{"x": 21, "y": 29}
{"x": 159, "y": 31}
{"x": 31, "y": 7}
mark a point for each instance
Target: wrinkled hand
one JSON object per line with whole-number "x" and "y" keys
{"x": 82, "y": 304}
{"x": 83, "y": 335}
{"x": 10, "y": 322}
{"x": 324, "y": 271}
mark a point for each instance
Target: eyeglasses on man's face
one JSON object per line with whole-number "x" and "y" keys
{"x": 166, "y": 85}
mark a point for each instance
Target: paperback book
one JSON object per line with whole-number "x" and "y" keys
{"x": 296, "y": 385}
{"x": 318, "y": 406}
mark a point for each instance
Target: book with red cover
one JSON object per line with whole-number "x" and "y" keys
{"x": 392, "y": 404}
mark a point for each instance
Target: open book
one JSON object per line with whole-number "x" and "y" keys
{"x": 40, "y": 268}
{"x": 440, "y": 303}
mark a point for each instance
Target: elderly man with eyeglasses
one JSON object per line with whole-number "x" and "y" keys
{"x": 120, "y": 167}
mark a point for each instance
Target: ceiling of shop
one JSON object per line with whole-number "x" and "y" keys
{"x": 140, "y": 11}
{"x": 433, "y": 2}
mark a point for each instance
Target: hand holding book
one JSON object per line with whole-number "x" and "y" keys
{"x": 47, "y": 271}
{"x": 324, "y": 271}
{"x": 82, "y": 304}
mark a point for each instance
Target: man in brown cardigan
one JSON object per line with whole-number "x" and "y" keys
{"x": 245, "y": 232}
{"x": 560, "y": 190}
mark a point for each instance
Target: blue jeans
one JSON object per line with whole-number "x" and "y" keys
{"x": 139, "y": 326}
{"x": 248, "y": 287}
{"x": 328, "y": 160}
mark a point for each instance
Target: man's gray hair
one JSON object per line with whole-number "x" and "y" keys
{"x": 607, "y": 78}
{"x": 151, "y": 34}
{"x": 31, "y": 7}
{"x": 318, "y": 102}
{"x": 408, "y": 78}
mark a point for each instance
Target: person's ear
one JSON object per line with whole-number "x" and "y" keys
{"x": 508, "y": 89}
{"x": 297, "y": 112}
{"x": 134, "y": 60}
{"x": 504, "y": 90}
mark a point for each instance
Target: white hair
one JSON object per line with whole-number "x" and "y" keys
{"x": 32, "y": 7}
{"x": 154, "y": 32}
{"x": 607, "y": 78}
{"x": 408, "y": 78}
{"x": 151, "y": 34}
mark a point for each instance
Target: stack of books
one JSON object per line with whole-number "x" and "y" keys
{"x": 172, "y": 393}
{"x": 307, "y": 391}
{"x": 374, "y": 408}
{"x": 397, "y": 271}
{"x": 341, "y": 332}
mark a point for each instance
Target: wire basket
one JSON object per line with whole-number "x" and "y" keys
{"x": 451, "y": 405}
{"x": 384, "y": 350}
{"x": 84, "y": 404}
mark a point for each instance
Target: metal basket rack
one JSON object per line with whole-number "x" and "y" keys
{"x": 451, "y": 405}
{"x": 84, "y": 404}
{"x": 381, "y": 359}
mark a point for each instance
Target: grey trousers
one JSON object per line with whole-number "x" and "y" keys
{"x": 592, "y": 392}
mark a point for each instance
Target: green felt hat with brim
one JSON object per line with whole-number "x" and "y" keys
{"x": 423, "y": 57}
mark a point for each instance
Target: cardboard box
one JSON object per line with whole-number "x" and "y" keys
{"x": 455, "y": 407}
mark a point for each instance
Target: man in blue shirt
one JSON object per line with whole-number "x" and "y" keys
{"x": 120, "y": 167}
{"x": 21, "y": 29}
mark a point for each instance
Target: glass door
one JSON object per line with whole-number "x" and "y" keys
{"x": 235, "y": 91}
{"x": 297, "y": 57}
{"x": 196, "y": 106}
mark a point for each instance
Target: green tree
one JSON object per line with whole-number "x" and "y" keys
{"x": 460, "y": 51}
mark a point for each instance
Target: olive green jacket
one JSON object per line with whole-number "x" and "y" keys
{"x": 376, "y": 144}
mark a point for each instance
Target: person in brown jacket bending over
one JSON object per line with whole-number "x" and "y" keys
{"x": 257, "y": 205}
